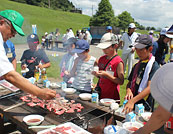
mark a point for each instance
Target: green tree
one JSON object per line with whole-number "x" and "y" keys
{"x": 125, "y": 19}
{"x": 104, "y": 16}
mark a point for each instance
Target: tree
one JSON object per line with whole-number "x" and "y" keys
{"x": 125, "y": 19}
{"x": 104, "y": 16}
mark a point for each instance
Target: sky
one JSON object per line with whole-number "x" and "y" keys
{"x": 157, "y": 13}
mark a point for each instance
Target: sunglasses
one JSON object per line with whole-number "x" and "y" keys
{"x": 13, "y": 31}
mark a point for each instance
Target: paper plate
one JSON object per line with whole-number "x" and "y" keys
{"x": 54, "y": 85}
{"x": 25, "y": 71}
{"x": 107, "y": 101}
{"x": 132, "y": 126}
{"x": 69, "y": 90}
{"x": 33, "y": 120}
{"x": 85, "y": 96}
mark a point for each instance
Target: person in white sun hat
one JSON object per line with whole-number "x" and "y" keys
{"x": 160, "y": 47}
{"x": 127, "y": 40}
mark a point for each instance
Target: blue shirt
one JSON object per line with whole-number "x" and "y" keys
{"x": 10, "y": 50}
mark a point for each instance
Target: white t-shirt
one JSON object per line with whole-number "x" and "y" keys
{"x": 5, "y": 65}
{"x": 128, "y": 40}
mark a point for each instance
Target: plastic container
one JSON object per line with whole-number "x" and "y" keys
{"x": 95, "y": 97}
{"x": 43, "y": 74}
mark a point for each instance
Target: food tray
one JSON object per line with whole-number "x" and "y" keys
{"x": 8, "y": 85}
{"x": 68, "y": 127}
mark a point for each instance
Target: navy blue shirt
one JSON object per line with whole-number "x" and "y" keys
{"x": 32, "y": 59}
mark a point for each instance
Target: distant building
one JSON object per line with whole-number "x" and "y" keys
{"x": 76, "y": 10}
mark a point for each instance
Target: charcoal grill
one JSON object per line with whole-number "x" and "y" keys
{"x": 89, "y": 117}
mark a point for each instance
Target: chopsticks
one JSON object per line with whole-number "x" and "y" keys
{"x": 14, "y": 106}
{"x": 47, "y": 126}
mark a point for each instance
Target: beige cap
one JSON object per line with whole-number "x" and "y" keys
{"x": 107, "y": 40}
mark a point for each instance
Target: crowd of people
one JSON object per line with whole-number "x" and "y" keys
{"x": 77, "y": 65}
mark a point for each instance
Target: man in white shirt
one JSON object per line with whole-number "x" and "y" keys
{"x": 10, "y": 24}
{"x": 127, "y": 42}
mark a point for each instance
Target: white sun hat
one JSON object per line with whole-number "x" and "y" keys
{"x": 164, "y": 31}
{"x": 162, "y": 86}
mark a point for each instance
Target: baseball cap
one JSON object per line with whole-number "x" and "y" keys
{"x": 132, "y": 25}
{"x": 108, "y": 28}
{"x": 70, "y": 41}
{"x": 81, "y": 46}
{"x": 107, "y": 40}
{"x": 33, "y": 38}
{"x": 15, "y": 18}
{"x": 143, "y": 41}
{"x": 46, "y": 33}
{"x": 151, "y": 32}
{"x": 161, "y": 86}
{"x": 164, "y": 32}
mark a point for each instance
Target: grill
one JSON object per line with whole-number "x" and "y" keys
{"x": 89, "y": 118}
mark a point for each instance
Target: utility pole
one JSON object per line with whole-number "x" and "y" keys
{"x": 49, "y": 3}
{"x": 92, "y": 9}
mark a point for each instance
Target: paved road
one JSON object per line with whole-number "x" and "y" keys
{"x": 96, "y": 52}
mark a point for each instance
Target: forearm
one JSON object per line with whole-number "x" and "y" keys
{"x": 22, "y": 83}
{"x": 116, "y": 80}
{"x": 158, "y": 118}
{"x": 46, "y": 65}
{"x": 14, "y": 63}
{"x": 141, "y": 95}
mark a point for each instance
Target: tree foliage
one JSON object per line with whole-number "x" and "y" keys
{"x": 65, "y": 5}
{"x": 104, "y": 16}
{"x": 125, "y": 19}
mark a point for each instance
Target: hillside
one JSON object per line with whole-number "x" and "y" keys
{"x": 47, "y": 20}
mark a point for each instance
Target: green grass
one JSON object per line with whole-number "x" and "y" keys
{"x": 47, "y": 20}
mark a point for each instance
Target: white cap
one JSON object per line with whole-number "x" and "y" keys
{"x": 46, "y": 33}
{"x": 164, "y": 32}
{"x": 161, "y": 87}
{"x": 132, "y": 25}
{"x": 107, "y": 40}
{"x": 151, "y": 31}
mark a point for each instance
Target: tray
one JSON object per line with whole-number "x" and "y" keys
{"x": 9, "y": 86}
{"x": 67, "y": 127}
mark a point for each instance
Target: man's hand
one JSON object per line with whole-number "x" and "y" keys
{"x": 47, "y": 94}
{"x": 129, "y": 94}
{"x": 128, "y": 107}
{"x": 40, "y": 66}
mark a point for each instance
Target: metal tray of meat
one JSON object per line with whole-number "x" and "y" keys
{"x": 68, "y": 128}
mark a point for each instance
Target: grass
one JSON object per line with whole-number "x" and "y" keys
{"x": 47, "y": 20}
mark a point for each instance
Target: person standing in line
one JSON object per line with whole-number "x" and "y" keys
{"x": 151, "y": 32}
{"x": 34, "y": 57}
{"x": 161, "y": 90}
{"x": 127, "y": 40}
{"x": 160, "y": 47}
{"x": 67, "y": 61}
{"x": 10, "y": 52}
{"x": 138, "y": 87}
{"x": 83, "y": 66}
{"x": 111, "y": 71}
